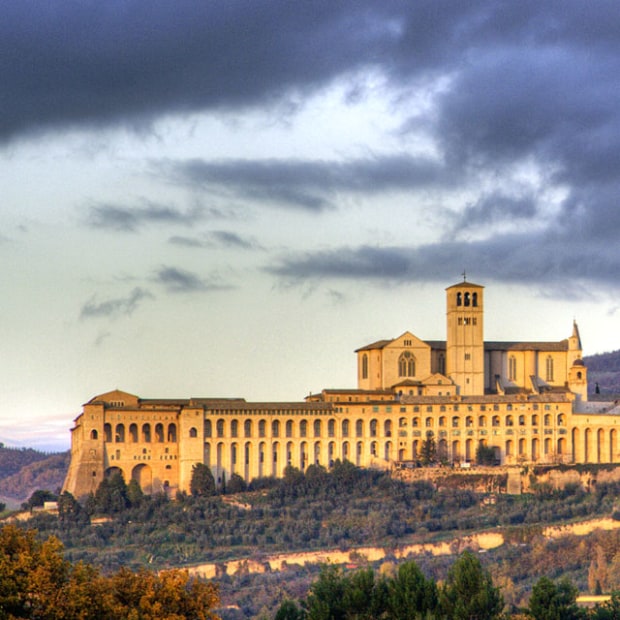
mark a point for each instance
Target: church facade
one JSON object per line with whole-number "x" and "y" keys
{"x": 528, "y": 401}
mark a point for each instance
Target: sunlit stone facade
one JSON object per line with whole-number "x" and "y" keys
{"x": 526, "y": 400}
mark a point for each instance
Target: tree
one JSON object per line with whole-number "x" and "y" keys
{"x": 609, "y": 610}
{"x": 428, "y": 451}
{"x": 325, "y": 600}
{"x": 236, "y": 484}
{"x": 289, "y": 610}
{"x": 469, "y": 593}
{"x": 202, "y": 482}
{"x": 551, "y": 601}
{"x": 485, "y": 455}
{"x": 409, "y": 593}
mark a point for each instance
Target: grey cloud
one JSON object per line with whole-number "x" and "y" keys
{"x": 309, "y": 185}
{"x": 497, "y": 207}
{"x": 113, "y": 308}
{"x": 523, "y": 259}
{"x": 216, "y": 239}
{"x": 126, "y": 219}
{"x": 177, "y": 280}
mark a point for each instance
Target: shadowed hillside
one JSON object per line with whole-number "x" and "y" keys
{"x": 22, "y": 471}
{"x": 604, "y": 369}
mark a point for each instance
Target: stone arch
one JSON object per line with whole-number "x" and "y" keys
{"x": 234, "y": 428}
{"x": 193, "y": 432}
{"x": 345, "y": 451}
{"x": 143, "y": 475}
{"x": 247, "y": 458}
{"x": 159, "y": 432}
{"x": 561, "y": 448}
{"x": 289, "y": 453}
{"x": 456, "y": 450}
{"x": 207, "y": 454}
{"x": 587, "y": 445}
{"x": 600, "y": 445}
{"x": 275, "y": 428}
{"x": 288, "y": 428}
{"x": 359, "y": 451}
{"x": 387, "y": 428}
{"x": 94, "y": 434}
{"x": 119, "y": 433}
{"x": 577, "y": 455}
{"x": 208, "y": 428}
{"x": 387, "y": 451}
{"x": 107, "y": 433}
{"x": 345, "y": 428}
{"x": 111, "y": 471}
{"x": 317, "y": 428}
{"x": 303, "y": 455}
{"x": 146, "y": 433}
{"x": 234, "y": 458}
{"x": 247, "y": 428}
{"x": 317, "y": 453}
{"x": 442, "y": 450}
{"x": 509, "y": 449}
{"x": 331, "y": 453}
{"x": 275, "y": 450}
{"x": 172, "y": 432}
{"x": 534, "y": 448}
{"x": 133, "y": 433}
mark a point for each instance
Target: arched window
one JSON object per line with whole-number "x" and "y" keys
{"x": 365, "y": 366}
{"x": 534, "y": 420}
{"x": 208, "y": 430}
{"x": 303, "y": 428}
{"x": 262, "y": 428}
{"x": 359, "y": 428}
{"x": 159, "y": 433}
{"x": 234, "y": 428}
{"x": 387, "y": 428}
{"x": 133, "y": 433}
{"x": 509, "y": 421}
{"x": 373, "y": 428}
{"x": 172, "y": 432}
{"x": 459, "y": 299}
{"x": 275, "y": 428}
{"x": 561, "y": 419}
{"x": 469, "y": 421}
{"x": 474, "y": 299}
{"x": 429, "y": 422}
{"x": 220, "y": 428}
{"x": 94, "y": 434}
{"x": 406, "y": 365}
{"x": 455, "y": 421}
{"x": 317, "y": 428}
{"x": 482, "y": 420}
{"x": 193, "y": 432}
{"x": 549, "y": 368}
{"x": 521, "y": 420}
{"x": 512, "y": 368}
{"x": 547, "y": 420}
{"x": 289, "y": 428}
{"x": 120, "y": 433}
{"x": 442, "y": 421}
{"x": 331, "y": 428}
{"x": 495, "y": 420}
{"x": 345, "y": 428}
{"x": 247, "y": 428}
{"x": 466, "y": 302}
{"x": 146, "y": 433}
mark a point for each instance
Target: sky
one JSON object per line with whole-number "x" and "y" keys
{"x": 226, "y": 199}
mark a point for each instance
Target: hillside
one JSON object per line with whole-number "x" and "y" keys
{"x": 604, "y": 369}
{"x": 24, "y": 471}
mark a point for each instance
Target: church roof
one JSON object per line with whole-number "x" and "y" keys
{"x": 465, "y": 285}
{"x": 380, "y": 344}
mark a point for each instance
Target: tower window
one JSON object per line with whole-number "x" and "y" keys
{"x": 467, "y": 300}
{"x": 474, "y": 299}
{"x": 406, "y": 365}
{"x": 549, "y": 368}
{"x": 364, "y": 366}
{"x": 459, "y": 299}
{"x": 512, "y": 368}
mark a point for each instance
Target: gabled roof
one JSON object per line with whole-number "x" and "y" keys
{"x": 380, "y": 344}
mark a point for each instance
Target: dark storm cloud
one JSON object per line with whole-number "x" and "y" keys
{"x": 516, "y": 85}
{"x": 125, "y": 219}
{"x": 177, "y": 280}
{"x": 216, "y": 239}
{"x": 112, "y": 308}
{"x": 309, "y": 185}
{"x": 507, "y": 258}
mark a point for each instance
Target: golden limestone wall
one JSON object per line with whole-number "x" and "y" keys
{"x": 158, "y": 445}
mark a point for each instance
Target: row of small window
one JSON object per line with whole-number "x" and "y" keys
{"x": 136, "y": 434}
{"x": 373, "y": 426}
{"x": 455, "y": 408}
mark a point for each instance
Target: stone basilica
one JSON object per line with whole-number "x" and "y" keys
{"x": 525, "y": 400}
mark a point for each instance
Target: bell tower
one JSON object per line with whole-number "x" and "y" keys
{"x": 465, "y": 337}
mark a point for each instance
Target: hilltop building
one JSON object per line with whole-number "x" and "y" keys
{"x": 526, "y": 400}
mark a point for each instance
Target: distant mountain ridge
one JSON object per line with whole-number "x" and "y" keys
{"x": 604, "y": 370}
{"x": 24, "y": 470}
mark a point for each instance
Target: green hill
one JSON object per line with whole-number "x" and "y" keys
{"x": 604, "y": 369}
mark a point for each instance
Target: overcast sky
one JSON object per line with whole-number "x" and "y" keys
{"x": 228, "y": 198}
